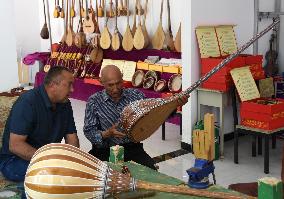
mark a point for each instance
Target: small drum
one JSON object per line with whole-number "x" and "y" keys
{"x": 160, "y": 85}
{"x": 137, "y": 79}
{"x": 174, "y": 83}
{"x": 148, "y": 82}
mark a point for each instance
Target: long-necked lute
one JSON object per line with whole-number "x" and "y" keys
{"x": 142, "y": 118}
{"x": 60, "y": 171}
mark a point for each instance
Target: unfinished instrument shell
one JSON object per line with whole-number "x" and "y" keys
{"x": 175, "y": 83}
{"x": 137, "y": 79}
{"x": 148, "y": 82}
{"x": 160, "y": 85}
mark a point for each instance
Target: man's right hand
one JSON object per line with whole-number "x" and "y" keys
{"x": 112, "y": 132}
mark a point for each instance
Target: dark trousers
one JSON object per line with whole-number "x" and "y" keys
{"x": 132, "y": 151}
{"x": 14, "y": 169}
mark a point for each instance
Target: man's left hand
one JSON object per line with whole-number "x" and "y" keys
{"x": 182, "y": 100}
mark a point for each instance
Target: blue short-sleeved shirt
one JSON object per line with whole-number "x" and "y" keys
{"x": 32, "y": 115}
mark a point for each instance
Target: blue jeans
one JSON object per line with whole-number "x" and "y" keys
{"x": 14, "y": 168}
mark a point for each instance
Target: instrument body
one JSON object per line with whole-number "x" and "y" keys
{"x": 61, "y": 171}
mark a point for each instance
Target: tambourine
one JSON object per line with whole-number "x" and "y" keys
{"x": 160, "y": 85}
{"x": 174, "y": 83}
{"x": 137, "y": 78}
{"x": 151, "y": 73}
{"x": 148, "y": 82}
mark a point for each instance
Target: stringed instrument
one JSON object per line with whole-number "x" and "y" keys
{"x": 65, "y": 21}
{"x": 100, "y": 10}
{"x": 72, "y": 10}
{"x": 82, "y": 10}
{"x": 169, "y": 41}
{"x": 127, "y": 41}
{"x": 70, "y": 33}
{"x": 56, "y": 13}
{"x": 139, "y": 39}
{"x": 105, "y": 40}
{"x": 60, "y": 171}
{"x": 44, "y": 33}
{"x": 177, "y": 41}
{"x": 116, "y": 37}
{"x": 159, "y": 36}
{"x": 133, "y": 30}
{"x": 119, "y": 9}
{"x": 80, "y": 37}
{"x": 144, "y": 28}
{"x": 99, "y": 57}
{"x": 96, "y": 39}
{"x": 62, "y": 14}
{"x": 88, "y": 24}
{"x": 111, "y": 12}
{"x": 271, "y": 68}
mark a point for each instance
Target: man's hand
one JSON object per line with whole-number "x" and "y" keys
{"x": 112, "y": 132}
{"x": 182, "y": 100}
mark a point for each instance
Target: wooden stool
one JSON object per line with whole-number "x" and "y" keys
{"x": 257, "y": 134}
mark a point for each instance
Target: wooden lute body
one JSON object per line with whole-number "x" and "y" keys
{"x": 61, "y": 171}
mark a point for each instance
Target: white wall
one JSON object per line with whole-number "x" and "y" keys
{"x": 8, "y": 65}
{"x": 208, "y": 12}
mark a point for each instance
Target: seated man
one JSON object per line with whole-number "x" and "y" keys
{"x": 40, "y": 116}
{"x": 102, "y": 114}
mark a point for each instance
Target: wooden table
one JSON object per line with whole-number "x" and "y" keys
{"x": 217, "y": 99}
{"x": 257, "y": 134}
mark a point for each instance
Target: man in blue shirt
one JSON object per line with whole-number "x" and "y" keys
{"x": 40, "y": 116}
{"x": 102, "y": 114}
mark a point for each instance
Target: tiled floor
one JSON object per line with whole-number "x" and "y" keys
{"x": 249, "y": 168}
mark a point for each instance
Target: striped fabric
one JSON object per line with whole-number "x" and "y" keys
{"x": 102, "y": 112}
{"x": 64, "y": 171}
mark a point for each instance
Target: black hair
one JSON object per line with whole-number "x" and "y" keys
{"x": 53, "y": 74}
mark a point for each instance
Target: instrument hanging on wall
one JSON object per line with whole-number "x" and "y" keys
{"x": 116, "y": 38}
{"x": 111, "y": 12}
{"x": 70, "y": 33}
{"x": 65, "y": 21}
{"x": 100, "y": 10}
{"x": 133, "y": 30}
{"x": 142, "y": 118}
{"x": 144, "y": 28}
{"x": 44, "y": 33}
{"x": 271, "y": 67}
{"x": 72, "y": 10}
{"x": 56, "y": 12}
{"x": 159, "y": 36}
{"x": 82, "y": 10}
{"x": 80, "y": 37}
{"x": 62, "y": 14}
{"x": 177, "y": 41}
{"x": 88, "y": 24}
{"x": 60, "y": 171}
{"x": 139, "y": 39}
{"x": 105, "y": 40}
{"x": 169, "y": 41}
{"x": 160, "y": 85}
{"x": 127, "y": 41}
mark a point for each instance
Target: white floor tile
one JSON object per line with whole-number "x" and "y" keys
{"x": 249, "y": 168}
